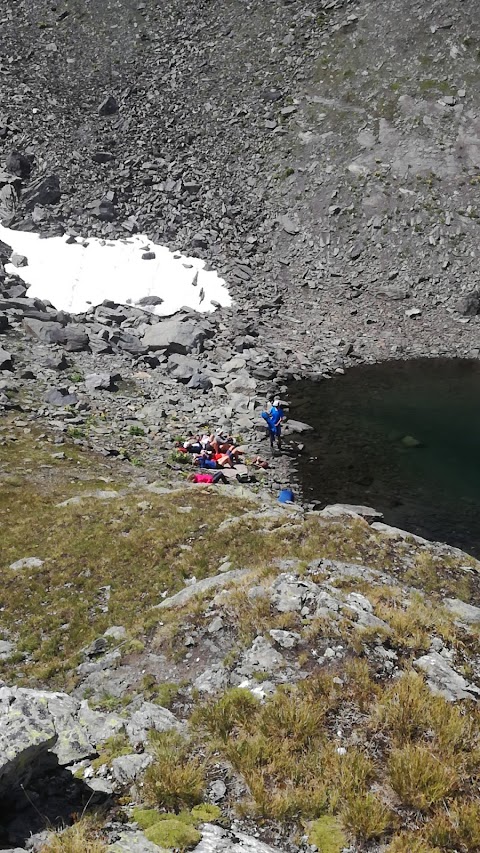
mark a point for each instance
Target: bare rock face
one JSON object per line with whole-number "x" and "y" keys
{"x": 175, "y": 335}
{"x": 27, "y": 732}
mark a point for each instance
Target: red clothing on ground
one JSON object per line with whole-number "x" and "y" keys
{"x": 203, "y": 478}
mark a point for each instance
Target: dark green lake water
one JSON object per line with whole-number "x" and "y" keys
{"x": 359, "y": 452}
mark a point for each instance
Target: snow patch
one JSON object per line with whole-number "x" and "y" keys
{"x": 73, "y": 276}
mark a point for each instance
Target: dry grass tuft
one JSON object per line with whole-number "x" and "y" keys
{"x": 410, "y": 842}
{"x": 175, "y": 780}
{"x": 82, "y": 837}
{"x": 420, "y": 778}
{"x": 366, "y": 817}
{"x": 456, "y": 828}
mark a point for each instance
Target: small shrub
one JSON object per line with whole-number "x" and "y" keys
{"x": 181, "y": 458}
{"x": 236, "y": 707}
{"x": 206, "y": 813}
{"x": 136, "y": 430}
{"x": 174, "y": 780}
{"x": 79, "y": 838}
{"x": 420, "y": 778}
{"x": 366, "y": 817}
{"x": 163, "y": 693}
{"x": 458, "y": 828}
{"x": 327, "y": 835}
{"x": 290, "y": 719}
{"x": 360, "y": 682}
{"x": 410, "y": 842}
{"x": 404, "y": 708}
{"x": 173, "y": 834}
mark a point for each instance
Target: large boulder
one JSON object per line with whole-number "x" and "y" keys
{"x": 38, "y": 730}
{"x": 45, "y": 190}
{"x": 182, "y": 367}
{"x": 469, "y": 304}
{"x": 27, "y": 732}
{"x": 5, "y": 360}
{"x": 175, "y": 335}
{"x": 72, "y": 336}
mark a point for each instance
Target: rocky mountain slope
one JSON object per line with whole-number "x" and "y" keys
{"x": 202, "y": 668}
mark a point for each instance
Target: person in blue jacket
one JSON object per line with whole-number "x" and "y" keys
{"x": 274, "y": 419}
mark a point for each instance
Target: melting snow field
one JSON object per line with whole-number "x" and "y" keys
{"x": 74, "y": 276}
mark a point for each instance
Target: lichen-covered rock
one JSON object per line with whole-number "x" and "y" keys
{"x": 290, "y": 594}
{"x": 444, "y": 680}
{"x": 126, "y": 768}
{"x": 218, "y": 840}
{"x": 149, "y": 716}
{"x": 27, "y": 732}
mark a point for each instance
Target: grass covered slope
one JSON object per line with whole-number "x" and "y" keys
{"x": 300, "y": 685}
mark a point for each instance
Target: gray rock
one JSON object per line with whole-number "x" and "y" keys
{"x": 133, "y": 842}
{"x": 108, "y": 107}
{"x": 27, "y": 563}
{"x": 99, "y": 381}
{"x": 182, "y": 367}
{"x": 27, "y": 732}
{"x": 5, "y": 360}
{"x": 335, "y": 510}
{"x": 290, "y": 595}
{"x": 218, "y": 840}
{"x": 243, "y": 384}
{"x": 214, "y": 678}
{"x": 73, "y": 740}
{"x": 149, "y": 716}
{"x": 45, "y": 190}
{"x": 469, "y": 305}
{"x": 175, "y": 336}
{"x": 19, "y": 260}
{"x": 285, "y": 639}
{"x": 260, "y": 657}
{"x": 200, "y": 382}
{"x": 100, "y": 726}
{"x": 363, "y": 608}
{"x": 126, "y": 768}
{"x": 38, "y": 728}
{"x": 117, "y": 632}
{"x": 18, "y": 164}
{"x": 297, "y": 427}
{"x": 75, "y": 338}
{"x": 444, "y": 680}
{"x": 466, "y": 613}
{"x": 217, "y": 790}
{"x": 216, "y": 582}
{"x": 6, "y": 649}
{"x": 61, "y": 397}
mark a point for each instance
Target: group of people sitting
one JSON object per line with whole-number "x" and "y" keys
{"x": 213, "y": 452}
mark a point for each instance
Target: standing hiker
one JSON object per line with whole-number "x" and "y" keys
{"x": 274, "y": 419}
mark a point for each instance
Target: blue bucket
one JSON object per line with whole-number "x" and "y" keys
{"x": 286, "y": 496}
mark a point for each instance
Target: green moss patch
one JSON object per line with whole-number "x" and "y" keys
{"x": 327, "y": 835}
{"x": 206, "y": 813}
{"x": 146, "y": 817}
{"x": 173, "y": 834}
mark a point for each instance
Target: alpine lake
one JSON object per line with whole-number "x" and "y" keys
{"x": 402, "y": 437}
